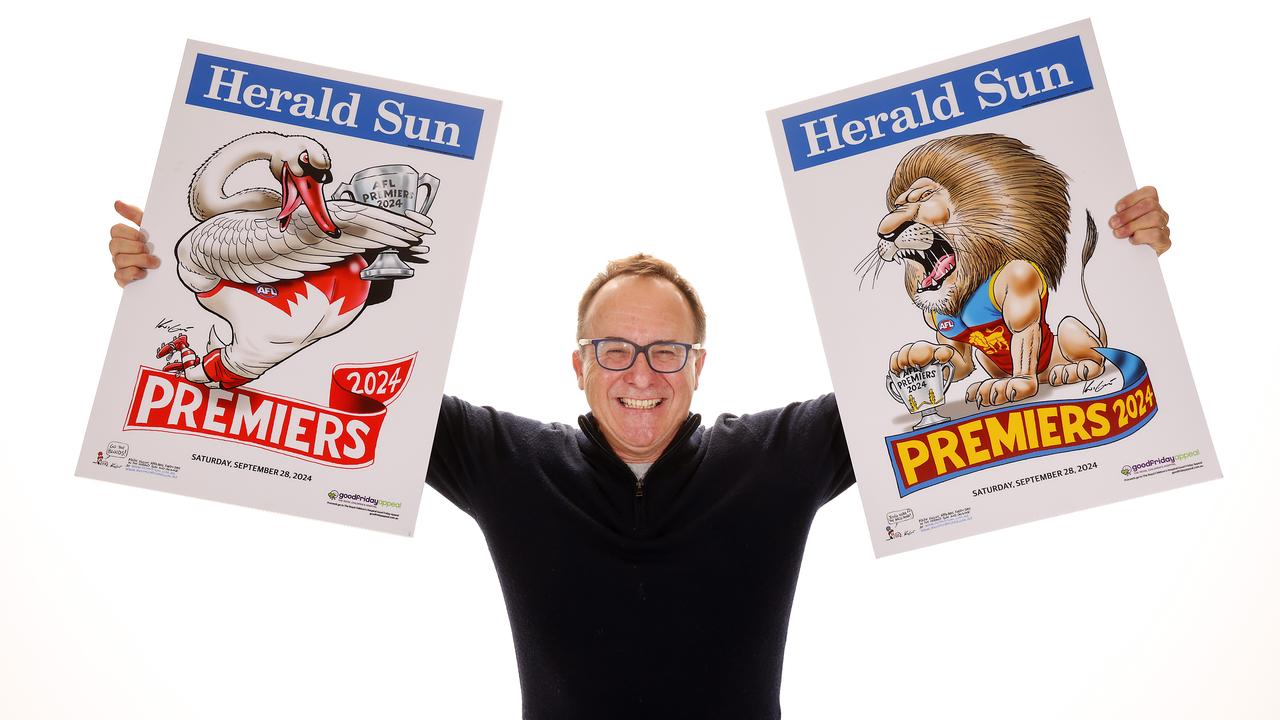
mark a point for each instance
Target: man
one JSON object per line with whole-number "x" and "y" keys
{"x": 648, "y": 563}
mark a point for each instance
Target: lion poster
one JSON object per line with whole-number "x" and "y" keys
{"x": 995, "y": 360}
{"x": 314, "y": 228}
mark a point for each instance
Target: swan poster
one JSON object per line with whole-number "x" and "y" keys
{"x": 998, "y": 359}
{"x": 314, "y": 228}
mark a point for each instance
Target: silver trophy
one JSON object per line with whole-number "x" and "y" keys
{"x": 923, "y": 390}
{"x": 398, "y": 188}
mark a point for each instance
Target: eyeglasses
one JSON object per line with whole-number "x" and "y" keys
{"x": 619, "y": 354}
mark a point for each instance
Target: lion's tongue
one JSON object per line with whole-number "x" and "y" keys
{"x": 940, "y": 270}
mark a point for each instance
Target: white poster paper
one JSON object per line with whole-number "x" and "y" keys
{"x": 314, "y": 228}
{"x": 998, "y": 357}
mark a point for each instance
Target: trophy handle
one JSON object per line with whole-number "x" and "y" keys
{"x": 341, "y": 189}
{"x": 947, "y": 371}
{"x": 893, "y": 391}
{"x": 432, "y": 184}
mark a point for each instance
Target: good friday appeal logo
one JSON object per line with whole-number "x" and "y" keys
{"x": 363, "y": 500}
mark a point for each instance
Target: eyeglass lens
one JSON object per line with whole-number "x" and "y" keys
{"x": 619, "y": 354}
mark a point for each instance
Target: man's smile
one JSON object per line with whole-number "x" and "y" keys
{"x": 638, "y": 404}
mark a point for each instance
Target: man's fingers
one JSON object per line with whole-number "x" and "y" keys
{"x": 127, "y": 232}
{"x": 1147, "y": 210}
{"x": 1157, "y": 238}
{"x": 124, "y": 276}
{"x": 1132, "y": 198}
{"x": 138, "y": 260}
{"x": 120, "y": 245}
{"x": 1157, "y": 218}
{"x": 132, "y": 213}
{"x": 128, "y": 246}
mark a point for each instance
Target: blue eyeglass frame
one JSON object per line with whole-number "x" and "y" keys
{"x": 640, "y": 350}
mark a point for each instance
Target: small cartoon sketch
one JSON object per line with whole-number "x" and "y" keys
{"x": 979, "y": 224}
{"x": 892, "y": 533}
{"x": 100, "y": 461}
{"x": 284, "y": 268}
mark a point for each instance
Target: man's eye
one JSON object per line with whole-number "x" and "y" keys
{"x": 927, "y": 194}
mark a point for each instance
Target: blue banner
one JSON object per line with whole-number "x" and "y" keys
{"x": 338, "y": 107}
{"x": 960, "y": 97}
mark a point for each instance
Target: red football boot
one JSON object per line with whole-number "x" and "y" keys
{"x": 186, "y": 356}
{"x": 177, "y": 344}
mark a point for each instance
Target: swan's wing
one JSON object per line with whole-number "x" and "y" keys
{"x": 250, "y": 247}
{"x": 379, "y": 226}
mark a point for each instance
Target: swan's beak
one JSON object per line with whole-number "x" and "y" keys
{"x": 304, "y": 190}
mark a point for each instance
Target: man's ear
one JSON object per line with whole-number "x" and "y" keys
{"x": 697, "y": 367}
{"x": 578, "y": 369}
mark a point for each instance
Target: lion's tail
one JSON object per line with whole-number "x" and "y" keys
{"x": 1091, "y": 244}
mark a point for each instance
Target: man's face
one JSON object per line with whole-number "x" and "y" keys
{"x": 642, "y": 310}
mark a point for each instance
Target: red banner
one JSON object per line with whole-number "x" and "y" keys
{"x": 344, "y": 434}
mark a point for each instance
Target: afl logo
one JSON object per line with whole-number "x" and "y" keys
{"x": 266, "y": 291}
{"x": 944, "y": 326}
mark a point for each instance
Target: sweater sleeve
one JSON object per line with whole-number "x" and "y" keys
{"x": 465, "y": 437}
{"x": 833, "y": 445}
{"x": 804, "y": 441}
{"x": 478, "y": 450}
{"x": 810, "y": 435}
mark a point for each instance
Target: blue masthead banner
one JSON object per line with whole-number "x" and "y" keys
{"x": 957, "y": 98}
{"x": 337, "y": 107}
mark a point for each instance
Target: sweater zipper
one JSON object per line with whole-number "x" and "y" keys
{"x": 676, "y": 442}
{"x": 691, "y": 424}
{"x": 639, "y": 505}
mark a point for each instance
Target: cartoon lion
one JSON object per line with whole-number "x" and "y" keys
{"x": 980, "y": 223}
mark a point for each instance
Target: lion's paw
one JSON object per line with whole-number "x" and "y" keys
{"x": 1068, "y": 373}
{"x": 993, "y": 391}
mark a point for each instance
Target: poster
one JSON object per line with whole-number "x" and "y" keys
{"x": 314, "y": 228}
{"x": 998, "y": 355}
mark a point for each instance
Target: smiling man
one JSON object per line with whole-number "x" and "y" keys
{"x": 639, "y": 304}
{"x": 648, "y": 563}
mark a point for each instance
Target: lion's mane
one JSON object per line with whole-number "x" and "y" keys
{"x": 1010, "y": 204}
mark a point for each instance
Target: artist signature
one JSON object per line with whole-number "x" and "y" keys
{"x": 1097, "y": 385}
{"x": 172, "y": 326}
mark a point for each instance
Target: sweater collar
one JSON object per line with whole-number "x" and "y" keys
{"x": 678, "y": 445}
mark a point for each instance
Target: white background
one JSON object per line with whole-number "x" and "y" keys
{"x": 625, "y": 130}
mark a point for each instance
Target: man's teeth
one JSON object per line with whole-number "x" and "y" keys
{"x": 639, "y": 404}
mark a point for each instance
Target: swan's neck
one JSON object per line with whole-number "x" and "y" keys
{"x": 208, "y": 195}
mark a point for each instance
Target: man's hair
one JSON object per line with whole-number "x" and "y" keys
{"x": 646, "y": 266}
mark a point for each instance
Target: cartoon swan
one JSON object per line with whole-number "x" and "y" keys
{"x": 282, "y": 268}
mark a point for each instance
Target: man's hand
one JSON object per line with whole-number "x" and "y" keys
{"x": 1140, "y": 218}
{"x": 130, "y": 252}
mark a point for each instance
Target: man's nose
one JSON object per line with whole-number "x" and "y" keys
{"x": 641, "y": 374}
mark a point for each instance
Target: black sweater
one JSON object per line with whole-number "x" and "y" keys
{"x": 667, "y": 598}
